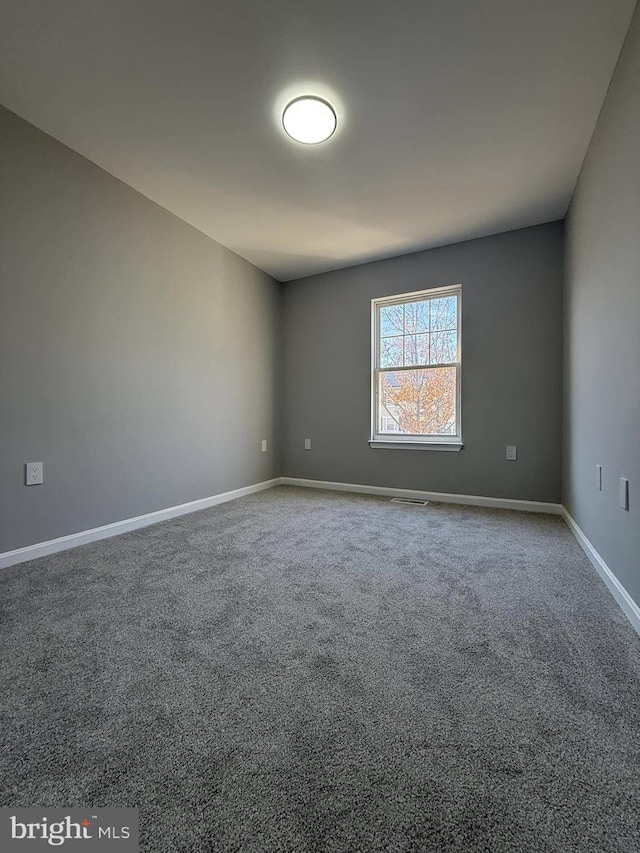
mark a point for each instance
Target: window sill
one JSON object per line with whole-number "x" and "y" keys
{"x": 378, "y": 444}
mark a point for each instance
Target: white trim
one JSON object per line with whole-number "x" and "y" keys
{"x": 376, "y": 371}
{"x": 42, "y": 549}
{"x": 428, "y": 292}
{"x": 63, "y": 543}
{"x": 418, "y": 366}
{"x": 379, "y": 444}
{"x": 441, "y": 497}
{"x": 624, "y": 600}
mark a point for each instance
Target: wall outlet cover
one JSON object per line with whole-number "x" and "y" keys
{"x": 624, "y": 493}
{"x": 511, "y": 452}
{"x": 264, "y": 445}
{"x": 307, "y": 444}
{"x": 33, "y": 473}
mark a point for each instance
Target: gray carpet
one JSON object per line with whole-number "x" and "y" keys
{"x": 311, "y": 671}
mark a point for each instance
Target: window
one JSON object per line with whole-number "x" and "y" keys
{"x": 416, "y": 369}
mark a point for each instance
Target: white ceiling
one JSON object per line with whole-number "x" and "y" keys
{"x": 457, "y": 118}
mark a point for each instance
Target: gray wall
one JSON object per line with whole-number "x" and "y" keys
{"x": 602, "y": 330}
{"x": 511, "y": 374}
{"x": 138, "y": 358}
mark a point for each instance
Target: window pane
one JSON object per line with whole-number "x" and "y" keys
{"x": 416, "y": 317}
{"x": 444, "y": 347}
{"x": 416, "y": 350}
{"x": 391, "y": 320}
{"x": 421, "y": 402}
{"x": 391, "y": 352}
{"x": 444, "y": 313}
{"x": 423, "y": 349}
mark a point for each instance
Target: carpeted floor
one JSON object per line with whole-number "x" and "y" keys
{"x": 313, "y": 672}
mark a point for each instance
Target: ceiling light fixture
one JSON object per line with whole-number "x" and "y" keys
{"x": 309, "y": 120}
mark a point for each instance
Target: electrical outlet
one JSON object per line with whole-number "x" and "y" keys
{"x": 511, "y": 452}
{"x": 33, "y": 473}
{"x": 307, "y": 444}
{"x": 599, "y": 477}
{"x": 264, "y": 445}
{"x": 624, "y": 493}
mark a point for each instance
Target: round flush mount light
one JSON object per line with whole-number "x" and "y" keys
{"x": 309, "y": 120}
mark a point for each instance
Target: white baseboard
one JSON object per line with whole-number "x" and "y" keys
{"x": 42, "y": 549}
{"x": 441, "y": 497}
{"x": 625, "y": 602}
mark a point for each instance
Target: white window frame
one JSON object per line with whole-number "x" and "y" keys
{"x": 403, "y": 441}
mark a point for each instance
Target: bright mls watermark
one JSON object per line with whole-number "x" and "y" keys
{"x": 111, "y": 829}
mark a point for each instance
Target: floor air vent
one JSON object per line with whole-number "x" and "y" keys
{"x": 408, "y": 501}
